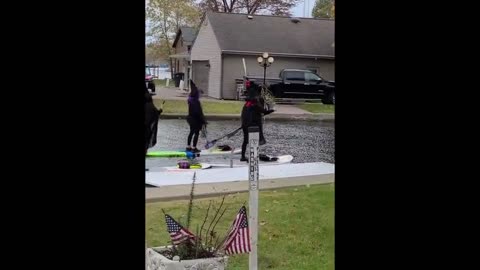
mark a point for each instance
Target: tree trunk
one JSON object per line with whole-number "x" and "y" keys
{"x": 171, "y": 68}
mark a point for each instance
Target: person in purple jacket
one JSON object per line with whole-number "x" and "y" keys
{"x": 196, "y": 119}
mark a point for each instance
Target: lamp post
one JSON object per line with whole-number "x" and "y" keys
{"x": 265, "y": 62}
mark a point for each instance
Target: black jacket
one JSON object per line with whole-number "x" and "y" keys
{"x": 195, "y": 114}
{"x": 151, "y": 121}
{"x": 252, "y": 113}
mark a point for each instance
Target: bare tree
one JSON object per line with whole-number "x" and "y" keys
{"x": 273, "y": 7}
{"x": 166, "y": 17}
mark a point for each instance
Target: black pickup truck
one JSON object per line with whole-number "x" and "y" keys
{"x": 298, "y": 84}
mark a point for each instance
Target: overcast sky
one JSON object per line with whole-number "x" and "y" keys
{"x": 298, "y": 10}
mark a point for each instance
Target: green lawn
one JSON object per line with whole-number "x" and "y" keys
{"x": 317, "y": 107}
{"x": 209, "y": 107}
{"x": 230, "y": 107}
{"x": 296, "y": 228}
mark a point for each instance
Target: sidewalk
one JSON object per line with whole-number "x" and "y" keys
{"x": 180, "y": 192}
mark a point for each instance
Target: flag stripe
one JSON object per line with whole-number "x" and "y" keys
{"x": 178, "y": 234}
{"x": 247, "y": 237}
{"x": 234, "y": 231}
{"x": 238, "y": 240}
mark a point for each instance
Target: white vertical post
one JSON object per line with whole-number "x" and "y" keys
{"x": 244, "y": 66}
{"x": 253, "y": 137}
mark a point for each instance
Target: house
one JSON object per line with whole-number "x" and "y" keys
{"x": 224, "y": 39}
{"x": 182, "y": 46}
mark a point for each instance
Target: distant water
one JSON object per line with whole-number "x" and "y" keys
{"x": 161, "y": 73}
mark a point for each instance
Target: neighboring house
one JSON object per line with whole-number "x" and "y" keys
{"x": 225, "y": 38}
{"x": 182, "y": 46}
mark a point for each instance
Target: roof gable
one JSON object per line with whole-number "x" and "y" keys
{"x": 187, "y": 34}
{"x": 274, "y": 34}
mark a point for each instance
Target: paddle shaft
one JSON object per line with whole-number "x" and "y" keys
{"x": 227, "y": 135}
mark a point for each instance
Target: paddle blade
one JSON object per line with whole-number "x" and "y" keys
{"x": 210, "y": 144}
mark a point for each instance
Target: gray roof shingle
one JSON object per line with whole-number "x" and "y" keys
{"x": 273, "y": 34}
{"x": 188, "y": 34}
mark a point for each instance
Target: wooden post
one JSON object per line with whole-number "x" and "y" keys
{"x": 253, "y": 137}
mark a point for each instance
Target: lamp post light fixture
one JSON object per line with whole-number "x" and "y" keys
{"x": 265, "y": 62}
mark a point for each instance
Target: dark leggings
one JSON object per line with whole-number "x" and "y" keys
{"x": 193, "y": 131}
{"x": 245, "y": 138}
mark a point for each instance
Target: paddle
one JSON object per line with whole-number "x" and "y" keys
{"x": 229, "y": 135}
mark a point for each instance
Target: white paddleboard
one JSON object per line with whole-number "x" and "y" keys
{"x": 280, "y": 160}
{"x": 167, "y": 178}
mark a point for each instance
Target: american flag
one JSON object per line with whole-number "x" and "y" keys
{"x": 177, "y": 232}
{"x": 238, "y": 239}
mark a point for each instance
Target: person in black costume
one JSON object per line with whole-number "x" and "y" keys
{"x": 252, "y": 113}
{"x": 152, "y": 115}
{"x": 195, "y": 118}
